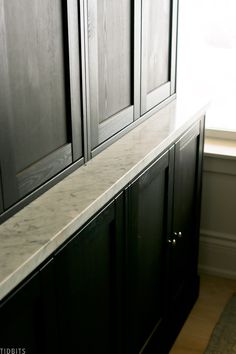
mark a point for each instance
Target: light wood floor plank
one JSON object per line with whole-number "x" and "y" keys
{"x": 214, "y": 294}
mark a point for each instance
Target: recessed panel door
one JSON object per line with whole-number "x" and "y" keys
{"x": 112, "y": 32}
{"x": 186, "y": 210}
{"x": 89, "y": 273}
{"x": 159, "y": 26}
{"x": 149, "y": 198}
{"x": 40, "y": 93}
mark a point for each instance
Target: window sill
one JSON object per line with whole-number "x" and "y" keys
{"x": 220, "y": 148}
{"x": 220, "y": 134}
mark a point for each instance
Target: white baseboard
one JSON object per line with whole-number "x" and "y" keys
{"x": 217, "y": 254}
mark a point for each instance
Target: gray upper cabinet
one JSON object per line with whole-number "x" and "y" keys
{"x": 159, "y": 31}
{"x": 112, "y": 51}
{"x": 73, "y": 74}
{"x": 39, "y": 93}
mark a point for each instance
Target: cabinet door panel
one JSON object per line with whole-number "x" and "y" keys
{"x": 38, "y": 49}
{"x": 188, "y": 155}
{"x": 158, "y": 51}
{"x": 28, "y": 316}
{"x": 110, "y": 37}
{"x": 149, "y": 196}
{"x": 158, "y": 43}
{"x": 18, "y": 315}
{"x": 89, "y": 271}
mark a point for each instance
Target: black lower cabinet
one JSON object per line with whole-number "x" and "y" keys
{"x": 186, "y": 207}
{"x": 125, "y": 283}
{"x": 162, "y": 246}
{"x": 183, "y": 281}
{"x": 148, "y": 201}
{"x": 89, "y": 286}
{"x": 28, "y": 316}
{"x": 74, "y": 303}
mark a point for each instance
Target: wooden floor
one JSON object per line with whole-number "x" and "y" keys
{"x": 214, "y": 294}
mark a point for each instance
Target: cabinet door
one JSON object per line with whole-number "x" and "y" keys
{"x": 28, "y": 317}
{"x": 186, "y": 215}
{"x": 149, "y": 198}
{"x": 39, "y": 93}
{"x": 112, "y": 31}
{"x": 159, "y": 27}
{"x": 89, "y": 270}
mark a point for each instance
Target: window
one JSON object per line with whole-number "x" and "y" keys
{"x": 207, "y": 57}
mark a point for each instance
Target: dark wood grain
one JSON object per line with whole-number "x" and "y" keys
{"x": 158, "y": 43}
{"x": 110, "y": 39}
{"x": 73, "y": 24}
{"x": 9, "y": 212}
{"x": 41, "y": 109}
{"x": 34, "y": 36}
{"x": 114, "y": 53}
{"x": 137, "y": 122}
{"x": 159, "y": 21}
{"x": 113, "y": 125}
{"x": 41, "y": 171}
{"x": 8, "y": 171}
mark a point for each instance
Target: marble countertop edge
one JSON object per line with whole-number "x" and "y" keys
{"x": 43, "y": 252}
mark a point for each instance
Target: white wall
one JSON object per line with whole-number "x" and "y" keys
{"x": 207, "y": 56}
{"x": 217, "y": 254}
{"x": 206, "y": 63}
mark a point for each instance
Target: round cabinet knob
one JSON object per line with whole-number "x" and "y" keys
{"x": 172, "y": 241}
{"x": 178, "y": 234}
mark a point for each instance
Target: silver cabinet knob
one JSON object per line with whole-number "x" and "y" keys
{"x": 178, "y": 234}
{"x": 172, "y": 241}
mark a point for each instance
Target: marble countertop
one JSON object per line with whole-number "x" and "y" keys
{"x": 35, "y": 232}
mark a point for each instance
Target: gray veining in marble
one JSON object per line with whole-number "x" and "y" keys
{"x": 31, "y": 236}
